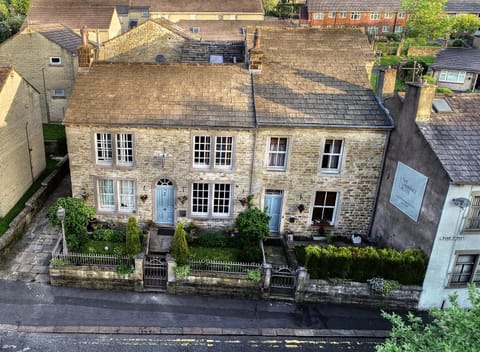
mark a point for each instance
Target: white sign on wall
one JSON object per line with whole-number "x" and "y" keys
{"x": 408, "y": 190}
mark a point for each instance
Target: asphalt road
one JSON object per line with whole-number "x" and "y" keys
{"x": 33, "y": 342}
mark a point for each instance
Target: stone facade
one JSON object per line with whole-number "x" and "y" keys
{"x": 423, "y": 50}
{"x": 199, "y": 51}
{"x": 176, "y": 17}
{"x": 22, "y": 153}
{"x": 29, "y": 52}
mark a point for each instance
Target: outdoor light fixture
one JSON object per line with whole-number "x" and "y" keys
{"x": 61, "y": 217}
{"x": 461, "y": 202}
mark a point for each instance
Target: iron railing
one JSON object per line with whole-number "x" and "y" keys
{"x": 216, "y": 266}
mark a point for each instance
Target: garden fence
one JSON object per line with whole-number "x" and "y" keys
{"x": 222, "y": 267}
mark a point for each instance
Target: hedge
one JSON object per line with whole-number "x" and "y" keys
{"x": 362, "y": 263}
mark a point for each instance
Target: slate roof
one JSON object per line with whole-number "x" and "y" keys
{"x": 315, "y": 77}
{"x": 463, "y": 6}
{"x": 455, "y": 138}
{"x": 73, "y": 15}
{"x": 220, "y": 6}
{"x": 177, "y": 95}
{"x": 61, "y": 35}
{"x": 458, "y": 59}
{"x": 354, "y": 5}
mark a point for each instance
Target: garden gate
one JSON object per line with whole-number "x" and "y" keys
{"x": 155, "y": 272}
{"x": 283, "y": 282}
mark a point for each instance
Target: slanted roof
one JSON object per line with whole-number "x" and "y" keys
{"x": 177, "y": 95}
{"x": 228, "y": 30}
{"x": 211, "y": 6}
{"x": 4, "y": 72}
{"x": 455, "y": 138}
{"x": 59, "y": 34}
{"x": 315, "y": 77}
{"x": 462, "y": 6}
{"x": 458, "y": 59}
{"x": 354, "y": 5}
{"x": 73, "y": 15}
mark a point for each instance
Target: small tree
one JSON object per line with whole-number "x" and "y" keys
{"x": 180, "y": 246}
{"x": 77, "y": 214}
{"x": 452, "y": 329}
{"x": 133, "y": 245}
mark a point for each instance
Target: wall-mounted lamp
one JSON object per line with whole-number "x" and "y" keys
{"x": 301, "y": 208}
{"x": 461, "y": 202}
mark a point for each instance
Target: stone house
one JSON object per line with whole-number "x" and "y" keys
{"x": 22, "y": 153}
{"x": 457, "y": 69}
{"x": 101, "y": 18}
{"x": 46, "y": 56}
{"x": 430, "y": 190}
{"x": 378, "y": 17}
{"x": 300, "y": 129}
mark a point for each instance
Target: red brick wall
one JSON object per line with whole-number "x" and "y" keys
{"x": 364, "y": 21}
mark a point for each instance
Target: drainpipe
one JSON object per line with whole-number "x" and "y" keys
{"x": 252, "y": 168}
{"x": 45, "y": 95}
{"x": 29, "y": 151}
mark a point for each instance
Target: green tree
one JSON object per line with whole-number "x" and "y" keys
{"x": 180, "y": 249}
{"x": 452, "y": 329}
{"x": 3, "y": 10}
{"x": 426, "y": 19}
{"x": 20, "y": 7}
{"x": 77, "y": 214}
{"x": 133, "y": 245}
{"x": 464, "y": 24}
{"x": 270, "y": 6}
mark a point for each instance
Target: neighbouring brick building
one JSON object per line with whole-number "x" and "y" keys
{"x": 22, "y": 153}
{"x": 299, "y": 128}
{"x": 385, "y": 16}
{"x": 46, "y": 56}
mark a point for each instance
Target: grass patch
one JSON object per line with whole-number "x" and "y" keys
{"x": 98, "y": 247}
{"x": 222, "y": 254}
{"x": 373, "y": 81}
{"x": 390, "y": 60}
{"x": 53, "y": 131}
{"x": 18, "y": 207}
{"x": 427, "y": 60}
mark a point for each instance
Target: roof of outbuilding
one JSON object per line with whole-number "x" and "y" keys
{"x": 176, "y": 95}
{"x": 59, "y": 34}
{"x": 458, "y": 59}
{"x": 315, "y": 77}
{"x": 455, "y": 138}
{"x": 463, "y": 6}
{"x": 354, "y": 5}
{"x": 217, "y": 6}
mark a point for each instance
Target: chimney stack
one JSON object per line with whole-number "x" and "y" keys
{"x": 386, "y": 83}
{"x": 419, "y": 99}
{"x": 256, "y": 54}
{"x": 84, "y": 51}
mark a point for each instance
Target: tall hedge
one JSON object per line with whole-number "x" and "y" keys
{"x": 180, "y": 249}
{"x": 362, "y": 263}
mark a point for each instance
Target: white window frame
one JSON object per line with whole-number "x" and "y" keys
{"x": 318, "y": 15}
{"x": 355, "y": 16}
{"x": 374, "y": 16}
{"x": 52, "y": 60}
{"x": 223, "y": 154}
{"x": 372, "y": 29}
{"x": 202, "y": 151}
{"x": 103, "y": 148}
{"x": 124, "y": 149}
{"x": 126, "y": 196}
{"x": 331, "y": 14}
{"x": 401, "y": 15}
{"x": 58, "y": 93}
{"x": 329, "y": 155}
{"x": 276, "y": 155}
{"x": 323, "y": 206}
{"x": 472, "y": 222}
{"x": 466, "y": 269}
{"x": 398, "y": 29}
{"x": 106, "y": 201}
{"x": 385, "y": 29}
{"x": 387, "y": 15}
{"x": 212, "y": 200}
{"x": 452, "y": 76}
{"x": 343, "y": 15}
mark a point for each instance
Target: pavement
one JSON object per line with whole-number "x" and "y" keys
{"x": 28, "y": 303}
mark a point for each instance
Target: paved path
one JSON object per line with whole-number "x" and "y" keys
{"x": 28, "y": 259}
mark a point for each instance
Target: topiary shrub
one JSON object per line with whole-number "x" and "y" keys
{"x": 179, "y": 246}
{"x": 77, "y": 214}
{"x": 133, "y": 245}
{"x": 363, "y": 260}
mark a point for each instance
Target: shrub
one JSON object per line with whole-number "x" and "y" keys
{"x": 429, "y": 79}
{"x": 255, "y": 275}
{"x": 252, "y": 226}
{"x": 181, "y": 271}
{"x": 133, "y": 245}
{"x": 77, "y": 214}
{"x": 251, "y": 254}
{"x": 213, "y": 240}
{"x": 124, "y": 269}
{"x": 220, "y": 254}
{"x": 363, "y": 259}
{"x": 108, "y": 235}
{"x": 443, "y": 90}
{"x": 179, "y": 246}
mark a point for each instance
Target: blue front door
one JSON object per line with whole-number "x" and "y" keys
{"x": 273, "y": 203}
{"x": 164, "y": 202}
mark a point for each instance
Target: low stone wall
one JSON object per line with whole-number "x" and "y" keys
{"x": 216, "y": 284}
{"x": 423, "y": 50}
{"x": 403, "y": 297}
{"x": 32, "y": 206}
{"x": 55, "y": 147}
{"x": 96, "y": 277}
